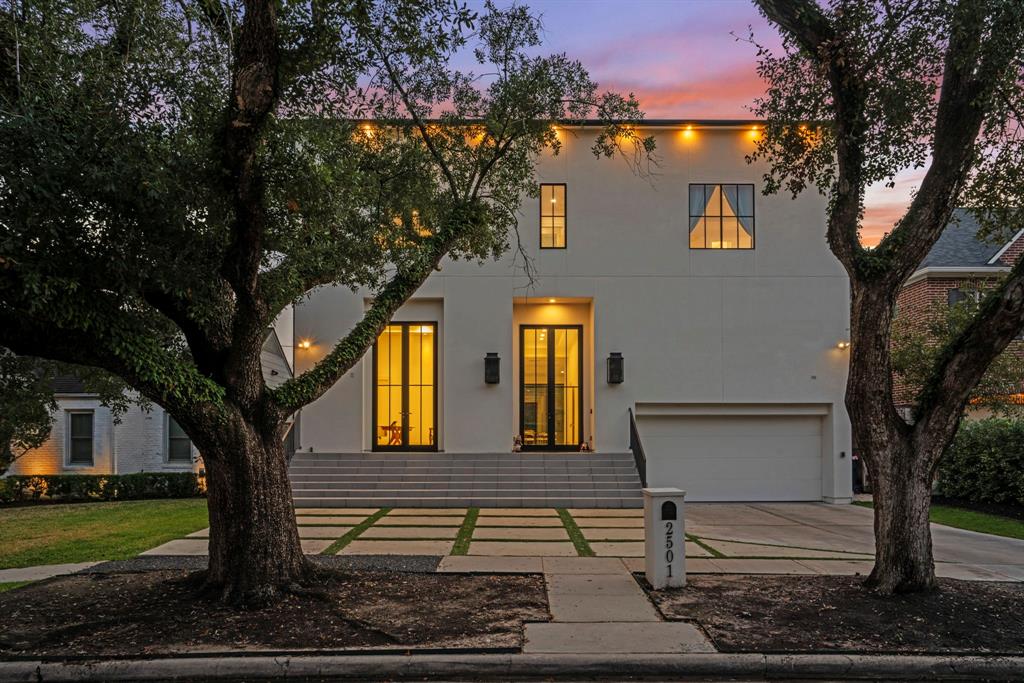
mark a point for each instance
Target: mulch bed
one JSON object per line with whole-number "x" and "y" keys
{"x": 836, "y": 613}
{"x": 148, "y": 613}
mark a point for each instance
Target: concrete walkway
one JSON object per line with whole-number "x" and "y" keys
{"x": 42, "y": 572}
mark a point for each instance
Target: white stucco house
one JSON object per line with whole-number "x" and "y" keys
{"x": 711, "y": 313}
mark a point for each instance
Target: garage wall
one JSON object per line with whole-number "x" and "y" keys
{"x": 730, "y": 453}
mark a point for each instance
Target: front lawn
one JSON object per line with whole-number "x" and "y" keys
{"x": 90, "y": 532}
{"x": 971, "y": 520}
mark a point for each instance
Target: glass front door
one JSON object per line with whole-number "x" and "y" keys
{"x": 551, "y": 386}
{"x": 404, "y": 387}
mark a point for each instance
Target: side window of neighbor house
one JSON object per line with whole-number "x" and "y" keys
{"x": 179, "y": 447}
{"x": 552, "y": 216}
{"x": 80, "y": 430}
{"x": 721, "y": 216}
{"x": 956, "y": 296}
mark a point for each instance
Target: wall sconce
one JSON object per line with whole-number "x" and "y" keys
{"x": 616, "y": 368}
{"x": 492, "y": 368}
{"x": 843, "y": 345}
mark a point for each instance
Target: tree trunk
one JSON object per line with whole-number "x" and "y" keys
{"x": 898, "y": 466}
{"x": 903, "y": 539}
{"x": 255, "y": 553}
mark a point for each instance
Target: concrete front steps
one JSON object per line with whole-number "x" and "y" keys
{"x": 437, "y": 480}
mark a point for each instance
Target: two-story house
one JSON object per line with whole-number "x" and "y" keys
{"x": 686, "y": 309}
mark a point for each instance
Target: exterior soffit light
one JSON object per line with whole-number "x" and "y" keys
{"x": 843, "y": 345}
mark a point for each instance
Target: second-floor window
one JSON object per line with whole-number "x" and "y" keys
{"x": 721, "y": 216}
{"x": 552, "y": 216}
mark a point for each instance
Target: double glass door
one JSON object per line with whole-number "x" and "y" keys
{"x": 551, "y": 386}
{"x": 405, "y": 387}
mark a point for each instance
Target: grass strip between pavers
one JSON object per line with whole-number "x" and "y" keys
{"x": 775, "y": 545}
{"x": 354, "y": 533}
{"x": 705, "y": 546}
{"x": 465, "y": 535}
{"x": 583, "y": 548}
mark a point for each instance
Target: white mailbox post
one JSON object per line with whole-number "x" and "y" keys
{"x": 664, "y": 538}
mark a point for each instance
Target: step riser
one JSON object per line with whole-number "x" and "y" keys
{"x": 606, "y": 480}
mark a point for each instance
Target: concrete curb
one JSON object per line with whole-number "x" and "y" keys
{"x": 521, "y": 666}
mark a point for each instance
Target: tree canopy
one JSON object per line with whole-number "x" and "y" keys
{"x": 156, "y": 184}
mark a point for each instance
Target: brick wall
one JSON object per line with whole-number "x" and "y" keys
{"x": 917, "y": 301}
{"x": 1013, "y": 253}
{"x": 51, "y": 457}
{"x": 137, "y": 441}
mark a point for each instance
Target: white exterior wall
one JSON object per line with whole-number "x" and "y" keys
{"x": 699, "y": 328}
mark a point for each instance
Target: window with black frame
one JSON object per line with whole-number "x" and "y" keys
{"x": 552, "y": 216}
{"x": 721, "y": 216}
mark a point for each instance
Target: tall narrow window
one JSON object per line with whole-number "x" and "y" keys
{"x": 179, "y": 446}
{"x": 721, "y": 216}
{"x": 552, "y": 216}
{"x": 80, "y": 438}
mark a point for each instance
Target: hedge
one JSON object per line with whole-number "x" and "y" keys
{"x": 79, "y": 487}
{"x": 985, "y": 463}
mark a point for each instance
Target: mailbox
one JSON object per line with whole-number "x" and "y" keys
{"x": 664, "y": 538}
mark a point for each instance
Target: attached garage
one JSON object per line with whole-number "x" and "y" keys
{"x": 735, "y": 453}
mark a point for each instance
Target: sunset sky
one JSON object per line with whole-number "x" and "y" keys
{"x": 682, "y": 58}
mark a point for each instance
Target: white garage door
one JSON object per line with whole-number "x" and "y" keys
{"x": 735, "y": 458}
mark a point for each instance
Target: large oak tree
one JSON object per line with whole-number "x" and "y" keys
{"x": 174, "y": 174}
{"x": 862, "y": 90}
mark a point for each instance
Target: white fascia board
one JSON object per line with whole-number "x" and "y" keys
{"x": 956, "y": 272}
{"x": 1006, "y": 246}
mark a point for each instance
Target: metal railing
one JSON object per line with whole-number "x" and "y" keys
{"x": 638, "y": 449}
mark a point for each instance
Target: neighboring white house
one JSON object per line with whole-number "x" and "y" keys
{"x": 87, "y": 440}
{"x": 725, "y": 307}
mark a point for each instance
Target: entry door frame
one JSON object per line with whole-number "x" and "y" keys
{"x": 551, "y": 387}
{"x": 405, "y": 324}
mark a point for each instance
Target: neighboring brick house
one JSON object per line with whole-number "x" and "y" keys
{"x": 86, "y": 439}
{"x": 960, "y": 265}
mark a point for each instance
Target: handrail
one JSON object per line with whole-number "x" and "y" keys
{"x": 638, "y": 449}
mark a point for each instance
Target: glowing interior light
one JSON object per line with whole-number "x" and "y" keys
{"x": 551, "y": 301}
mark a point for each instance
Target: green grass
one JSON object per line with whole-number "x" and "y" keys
{"x": 583, "y": 548}
{"x": 462, "y": 540}
{"x": 93, "y": 532}
{"x": 971, "y": 520}
{"x": 355, "y": 532}
{"x": 12, "y": 585}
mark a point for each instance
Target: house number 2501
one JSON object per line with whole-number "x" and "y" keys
{"x": 669, "y": 554}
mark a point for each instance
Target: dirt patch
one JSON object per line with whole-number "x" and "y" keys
{"x": 836, "y": 613}
{"x": 158, "y": 613}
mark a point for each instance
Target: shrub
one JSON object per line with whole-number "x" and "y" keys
{"x": 78, "y": 487}
{"x": 985, "y": 463}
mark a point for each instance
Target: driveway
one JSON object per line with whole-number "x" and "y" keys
{"x": 847, "y": 529}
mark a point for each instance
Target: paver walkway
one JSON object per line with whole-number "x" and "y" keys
{"x": 765, "y": 538}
